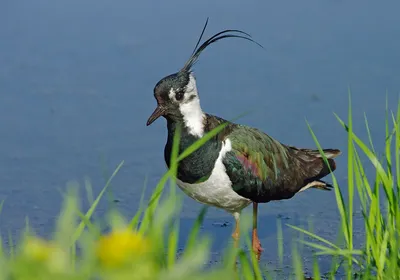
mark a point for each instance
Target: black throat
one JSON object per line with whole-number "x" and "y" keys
{"x": 196, "y": 167}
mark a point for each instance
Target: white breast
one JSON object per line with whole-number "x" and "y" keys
{"x": 217, "y": 190}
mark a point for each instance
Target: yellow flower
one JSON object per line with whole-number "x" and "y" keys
{"x": 121, "y": 245}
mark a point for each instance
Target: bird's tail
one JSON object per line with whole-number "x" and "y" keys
{"x": 316, "y": 157}
{"x": 315, "y": 181}
{"x": 329, "y": 153}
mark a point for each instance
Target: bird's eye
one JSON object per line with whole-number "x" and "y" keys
{"x": 179, "y": 95}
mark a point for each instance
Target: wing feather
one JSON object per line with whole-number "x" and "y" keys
{"x": 263, "y": 169}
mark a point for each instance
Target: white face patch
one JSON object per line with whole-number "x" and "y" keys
{"x": 190, "y": 109}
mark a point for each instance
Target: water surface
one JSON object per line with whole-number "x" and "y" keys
{"x": 76, "y": 89}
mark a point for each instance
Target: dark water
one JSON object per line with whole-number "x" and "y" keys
{"x": 76, "y": 82}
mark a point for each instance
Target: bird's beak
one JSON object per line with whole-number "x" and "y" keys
{"x": 158, "y": 112}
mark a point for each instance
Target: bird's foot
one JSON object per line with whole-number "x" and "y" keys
{"x": 257, "y": 245}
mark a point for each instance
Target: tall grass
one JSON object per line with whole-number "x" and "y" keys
{"x": 380, "y": 256}
{"x": 145, "y": 246}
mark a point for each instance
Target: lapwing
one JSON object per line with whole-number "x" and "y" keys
{"x": 241, "y": 165}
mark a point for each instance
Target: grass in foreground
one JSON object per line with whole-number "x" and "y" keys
{"x": 145, "y": 246}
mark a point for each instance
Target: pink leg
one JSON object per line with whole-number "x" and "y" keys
{"x": 236, "y": 233}
{"x": 255, "y": 241}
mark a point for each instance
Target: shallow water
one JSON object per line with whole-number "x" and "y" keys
{"x": 76, "y": 82}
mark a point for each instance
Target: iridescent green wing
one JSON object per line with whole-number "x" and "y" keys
{"x": 261, "y": 168}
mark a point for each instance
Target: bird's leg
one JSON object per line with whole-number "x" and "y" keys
{"x": 236, "y": 233}
{"x": 256, "y": 242}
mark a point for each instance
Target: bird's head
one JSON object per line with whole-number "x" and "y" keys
{"x": 176, "y": 94}
{"x": 173, "y": 93}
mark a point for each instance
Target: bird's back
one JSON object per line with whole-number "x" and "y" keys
{"x": 263, "y": 169}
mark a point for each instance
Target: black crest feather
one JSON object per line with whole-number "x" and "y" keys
{"x": 228, "y": 33}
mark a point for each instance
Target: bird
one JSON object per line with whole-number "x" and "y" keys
{"x": 240, "y": 165}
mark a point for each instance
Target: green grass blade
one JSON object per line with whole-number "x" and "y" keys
{"x": 369, "y": 132}
{"x": 193, "y": 236}
{"x": 396, "y": 124}
{"x": 388, "y": 139}
{"x": 350, "y": 186}
{"x": 89, "y": 191}
{"x": 382, "y": 257}
{"x": 256, "y": 268}
{"x": 316, "y": 272}
{"x": 153, "y": 202}
{"x": 371, "y": 156}
{"x": 93, "y": 207}
{"x": 338, "y": 193}
{"x": 280, "y": 242}
{"x": 66, "y": 222}
{"x": 135, "y": 219}
{"x": 88, "y": 224}
{"x": 297, "y": 263}
{"x": 245, "y": 266}
{"x": 173, "y": 240}
{"x": 196, "y": 145}
{"x": 312, "y": 235}
{"x": 363, "y": 183}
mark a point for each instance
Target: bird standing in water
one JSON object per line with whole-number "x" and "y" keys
{"x": 241, "y": 165}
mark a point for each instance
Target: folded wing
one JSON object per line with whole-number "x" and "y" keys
{"x": 262, "y": 169}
